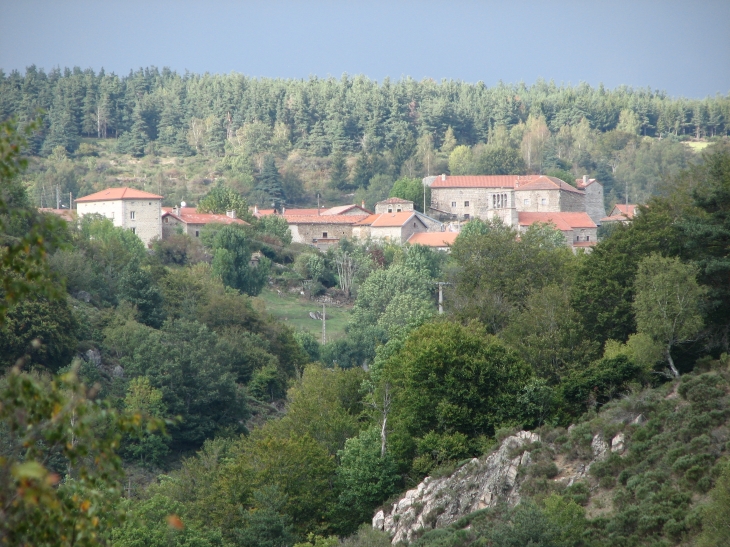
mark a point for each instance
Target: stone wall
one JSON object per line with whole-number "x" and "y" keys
{"x": 538, "y": 201}
{"x": 383, "y": 207}
{"x": 307, "y": 233}
{"x": 141, "y": 216}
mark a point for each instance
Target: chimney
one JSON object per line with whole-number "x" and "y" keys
{"x": 443, "y": 176}
{"x": 255, "y": 209}
{"x": 283, "y": 210}
{"x": 176, "y": 210}
{"x": 231, "y": 214}
{"x": 363, "y": 204}
{"x": 585, "y": 179}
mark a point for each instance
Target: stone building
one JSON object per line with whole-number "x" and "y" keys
{"x": 578, "y": 228}
{"x": 188, "y": 221}
{"x": 393, "y": 205}
{"x": 128, "y": 208}
{"x": 505, "y": 196}
{"x": 321, "y": 231}
{"x": 391, "y": 227}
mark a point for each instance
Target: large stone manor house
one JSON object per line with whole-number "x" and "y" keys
{"x": 520, "y": 201}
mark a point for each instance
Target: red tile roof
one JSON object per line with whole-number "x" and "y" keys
{"x": 546, "y": 183}
{"x": 341, "y": 209}
{"x": 113, "y": 194}
{"x": 518, "y": 182}
{"x": 475, "y": 181}
{"x": 65, "y": 214}
{"x": 433, "y": 239}
{"x": 389, "y": 220}
{"x": 190, "y": 215}
{"x": 324, "y": 219}
{"x": 628, "y": 210}
{"x": 562, "y": 221}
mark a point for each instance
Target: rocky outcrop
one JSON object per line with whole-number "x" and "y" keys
{"x": 481, "y": 483}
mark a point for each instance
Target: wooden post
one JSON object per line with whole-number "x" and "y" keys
{"x": 441, "y": 298}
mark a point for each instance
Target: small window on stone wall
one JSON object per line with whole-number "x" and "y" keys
{"x": 197, "y": 233}
{"x": 453, "y": 204}
{"x": 324, "y": 235}
{"x": 543, "y": 201}
{"x": 466, "y": 204}
{"x": 134, "y": 230}
{"x": 131, "y": 215}
{"x": 466, "y": 216}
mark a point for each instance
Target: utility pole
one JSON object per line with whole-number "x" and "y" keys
{"x": 324, "y": 325}
{"x": 441, "y": 298}
{"x": 70, "y": 201}
{"x": 58, "y": 197}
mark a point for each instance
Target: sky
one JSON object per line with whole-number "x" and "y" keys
{"x": 681, "y": 47}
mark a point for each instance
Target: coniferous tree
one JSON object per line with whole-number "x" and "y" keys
{"x": 338, "y": 171}
{"x": 61, "y": 131}
{"x": 270, "y": 182}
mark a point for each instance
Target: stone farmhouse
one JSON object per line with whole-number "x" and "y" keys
{"x": 578, "y": 228}
{"x": 188, "y": 221}
{"x": 622, "y": 213}
{"x": 128, "y": 208}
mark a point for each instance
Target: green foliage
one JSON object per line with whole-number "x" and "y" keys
{"x": 231, "y": 261}
{"x": 496, "y": 271}
{"x": 365, "y": 478}
{"x": 38, "y": 331}
{"x": 667, "y": 302}
{"x": 147, "y": 446}
{"x": 221, "y": 199}
{"x": 270, "y": 184}
{"x": 157, "y": 522}
{"x": 276, "y": 226}
{"x": 411, "y": 189}
{"x": 137, "y": 287}
{"x": 599, "y": 382}
{"x": 184, "y": 361}
{"x": 59, "y": 471}
{"x": 450, "y": 379}
{"x": 716, "y": 513}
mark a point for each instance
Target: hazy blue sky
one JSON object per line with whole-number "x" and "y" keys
{"x": 682, "y": 47}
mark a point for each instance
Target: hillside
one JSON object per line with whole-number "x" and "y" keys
{"x": 635, "y": 473}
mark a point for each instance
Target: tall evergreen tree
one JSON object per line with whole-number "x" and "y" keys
{"x": 61, "y": 131}
{"x": 270, "y": 182}
{"x": 338, "y": 171}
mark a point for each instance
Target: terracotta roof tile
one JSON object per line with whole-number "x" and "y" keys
{"x": 324, "y": 219}
{"x": 190, "y": 215}
{"x": 65, "y": 214}
{"x": 341, "y": 209}
{"x": 547, "y": 183}
{"x": 112, "y": 194}
{"x": 394, "y": 200}
{"x": 562, "y": 221}
{"x": 476, "y": 181}
{"x": 433, "y": 239}
{"x": 389, "y": 220}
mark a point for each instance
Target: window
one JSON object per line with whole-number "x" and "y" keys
{"x": 167, "y": 220}
{"x": 398, "y": 209}
{"x": 466, "y": 216}
{"x": 324, "y": 235}
{"x": 131, "y": 215}
{"x": 134, "y": 230}
{"x": 588, "y": 238}
{"x": 453, "y": 204}
{"x": 527, "y": 201}
{"x": 543, "y": 201}
{"x": 197, "y": 233}
{"x": 150, "y": 203}
{"x": 414, "y": 225}
{"x": 466, "y": 204}
{"x": 390, "y": 208}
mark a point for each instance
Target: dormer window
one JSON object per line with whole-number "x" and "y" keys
{"x": 398, "y": 209}
{"x": 390, "y": 208}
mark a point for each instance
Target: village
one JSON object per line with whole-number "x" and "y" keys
{"x": 518, "y": 201}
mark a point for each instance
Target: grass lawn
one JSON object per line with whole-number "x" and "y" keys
{"x": 294, "y": 310}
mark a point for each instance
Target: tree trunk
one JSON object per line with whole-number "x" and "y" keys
{"x": 671, "y": 363}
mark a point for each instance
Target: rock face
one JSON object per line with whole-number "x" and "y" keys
{"x": 479, "y": 484}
